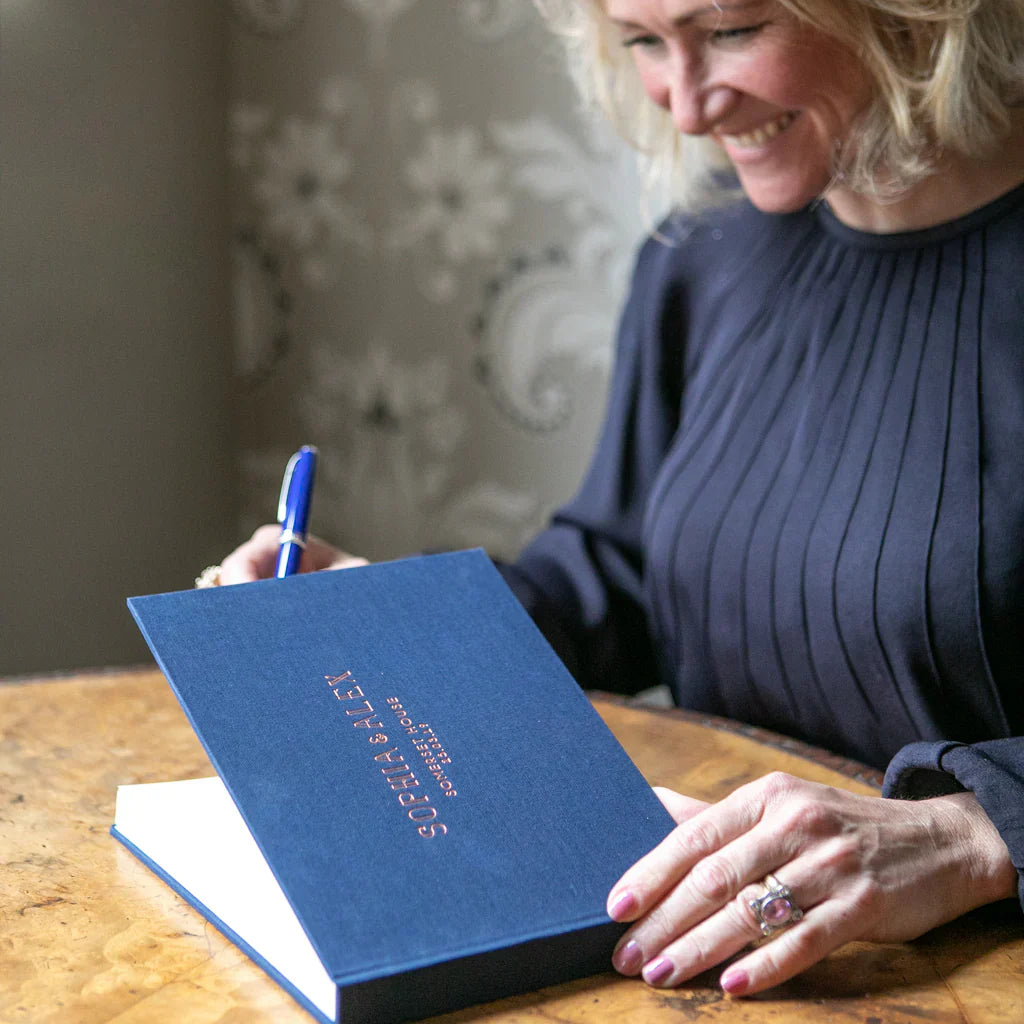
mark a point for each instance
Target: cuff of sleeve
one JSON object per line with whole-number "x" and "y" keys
{"x": 990, "y": 770}
{"x": 917, "y": 772}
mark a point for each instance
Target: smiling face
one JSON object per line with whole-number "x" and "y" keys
{"x": 778, "y": 96}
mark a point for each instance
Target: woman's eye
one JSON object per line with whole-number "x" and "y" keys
{"x": 727, "y": 35}
{"x": 643, "y": 41}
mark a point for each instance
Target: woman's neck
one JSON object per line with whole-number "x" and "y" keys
{"x": 959, "y": 185}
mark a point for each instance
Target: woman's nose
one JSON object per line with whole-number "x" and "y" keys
{"x": 696, "y": 110}
{"x": 686, "y": 105}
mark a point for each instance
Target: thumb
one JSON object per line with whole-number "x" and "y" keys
{"x": 682, "y": 808}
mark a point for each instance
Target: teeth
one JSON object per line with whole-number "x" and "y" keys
{"x": 759, "y": 136}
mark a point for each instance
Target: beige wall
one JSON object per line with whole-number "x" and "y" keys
{"x": 423, "y": 243}
{"x": 431, "y": 248}
{"x": 115, "y": 441}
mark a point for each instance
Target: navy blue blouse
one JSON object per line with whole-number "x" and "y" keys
{"x": 806, "y": 507}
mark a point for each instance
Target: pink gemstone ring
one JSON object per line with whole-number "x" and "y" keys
{"x": 776, "y": 908}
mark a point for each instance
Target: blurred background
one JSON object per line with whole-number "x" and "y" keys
{"x": 229, "y": 228}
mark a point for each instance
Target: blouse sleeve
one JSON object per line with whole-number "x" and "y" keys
{"x": 581, "y": 578}
{"x": 992, "y": 770}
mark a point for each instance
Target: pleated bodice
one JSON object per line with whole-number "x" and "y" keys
{"x": 834, "y": 541}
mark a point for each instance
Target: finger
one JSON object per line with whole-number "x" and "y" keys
{"x": 253, "y": 560}
{"x": 321, "y": 554}
{"x": 256, "y": 559}
{"x": 647, "y": 881}
{"x": 709, "y": 830}
{"x": 723, "y": 882}
{"x": 681, "y": 807}
{"x": 723, "y": 933}
{"x": 316, "y": 555}
{"x": 822, "y": 931}
{"x": 346, "y": 561}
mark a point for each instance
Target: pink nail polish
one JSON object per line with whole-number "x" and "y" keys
{"x": 657, "y": 971}
{"x": 735, "y": 981}
{"x": 622, "y": 906}
{"x": 628, "y": 959}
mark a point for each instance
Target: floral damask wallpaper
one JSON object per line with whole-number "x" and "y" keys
{"x": 431, "y": 245}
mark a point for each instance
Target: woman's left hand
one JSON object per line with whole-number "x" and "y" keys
{"x": 859, "y": 867}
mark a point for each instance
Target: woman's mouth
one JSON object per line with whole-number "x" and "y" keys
{"x": 762, "y": 134}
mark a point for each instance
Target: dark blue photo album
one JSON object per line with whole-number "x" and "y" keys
{"x": 416, "y": 808}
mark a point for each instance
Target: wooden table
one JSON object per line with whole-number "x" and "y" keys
{"x": 87, "y": 934}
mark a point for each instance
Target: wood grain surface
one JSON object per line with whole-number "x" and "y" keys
{"x": 88, "y": 935}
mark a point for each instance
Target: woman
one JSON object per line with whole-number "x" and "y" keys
{"x": 805, "y": 510}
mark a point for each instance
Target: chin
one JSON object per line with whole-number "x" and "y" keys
{"x": 781, "y": 196}
{"x": 782, "y": 205}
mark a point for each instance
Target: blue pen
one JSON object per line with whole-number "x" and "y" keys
{"x": 293, "y": 509}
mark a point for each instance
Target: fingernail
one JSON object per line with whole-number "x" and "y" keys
{"x": 622, "y": 906}
{"x": 657, "y": 971}
{"x": 628, "y": 959}
{"x": 735, "y": 981}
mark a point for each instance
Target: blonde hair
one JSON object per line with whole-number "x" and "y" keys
{"x": 946, "y": 74}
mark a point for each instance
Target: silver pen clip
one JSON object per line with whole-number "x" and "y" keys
{"x": 286, "y": 483}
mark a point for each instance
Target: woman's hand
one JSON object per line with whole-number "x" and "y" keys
{"x": 859, "y": 867}
{"x": 255, "y": 559}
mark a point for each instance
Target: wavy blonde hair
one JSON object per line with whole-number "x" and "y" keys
{"x": 946, "y": 74}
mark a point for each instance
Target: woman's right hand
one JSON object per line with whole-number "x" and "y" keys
{"x": 255, "y": 559}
